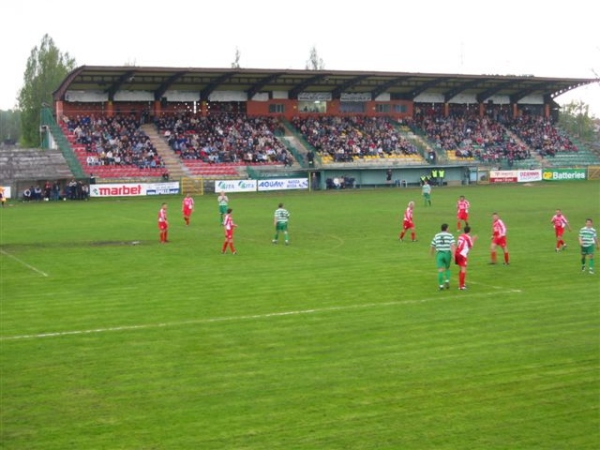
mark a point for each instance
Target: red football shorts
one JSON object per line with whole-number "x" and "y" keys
{"x": 460, "y": 260}
{"x": 500, "y": 241}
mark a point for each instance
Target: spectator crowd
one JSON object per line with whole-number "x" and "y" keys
{"x": 114, "y": 141}
{"x": 226, "y": 137}
{"x": 346, "y": 139}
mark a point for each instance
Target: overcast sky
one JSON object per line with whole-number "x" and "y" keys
{"x": 513, "y": 37}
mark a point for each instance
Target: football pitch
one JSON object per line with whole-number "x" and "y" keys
{"x": 341, "y": 340}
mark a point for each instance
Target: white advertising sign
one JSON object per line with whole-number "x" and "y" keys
{"x": 526, "y": 176}
{"x": 7, "y": 193}
{"x": 283, "y": 184}
{"x": 235, "y": 186}
{"x": 133, "y": 189}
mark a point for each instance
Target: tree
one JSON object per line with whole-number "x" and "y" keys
{"x": 314, "y": 62}
{"x": 574, "y": 119}
{"x": 46, "y": 69}
{"x": 236, "y": 62}
{"x": 9, "y": 127}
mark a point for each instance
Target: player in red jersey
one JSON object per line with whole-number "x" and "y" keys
{"x": 407, "y": 223}
{"x": 463, "y": 247}
{"x": 462, "y": 212}
{"x": 228, "y": 225}
{"x": 560, "y": 222}
{"x": 163, "y": 224}
{"x": 498, "y": 239}
{"x": 187, "y": 207}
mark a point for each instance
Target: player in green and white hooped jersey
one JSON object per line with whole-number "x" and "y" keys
{"x": 280, "y": 220}
{"x": 426, "y": 192}
{"x": 443, "y": 245}
{"x": 223, "y": 202}
{"x": 588, "y": 239}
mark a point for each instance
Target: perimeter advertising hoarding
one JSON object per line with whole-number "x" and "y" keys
{"x": 235, "y": 185}
{"x": 7, "y": 192}
{"x": 133, "y": 189}
{"x": 515, "y": 176}
{"x": 503, "y": 176}
{"x": 526, "y": 176}
{"x": 274, "y": 184}
{"x": 283, "y": 184}
{"x": 564, "y": 174}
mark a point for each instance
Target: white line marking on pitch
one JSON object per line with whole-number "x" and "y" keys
{"x": 231, "y": 318}
{"x": 24, "y": 263}
{"x": 502, "y": 288}
{"x": 516, "y": 291}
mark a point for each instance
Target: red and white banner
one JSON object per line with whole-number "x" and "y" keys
{"x": 503, "y": 176}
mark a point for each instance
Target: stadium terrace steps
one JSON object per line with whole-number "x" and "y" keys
{"x": 33, "y": 164}
{"x": 172, "y": 163}
{"x": 570, "y": 159}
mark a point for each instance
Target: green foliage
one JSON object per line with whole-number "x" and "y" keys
{"x": 46, "y": 68}
{"x": 574, "y": 118}
{"x": 10, "y": 125}
{"x": 339, "y": 341}
{"x": 314, "y": 61}
{"x": 236, "y": 62}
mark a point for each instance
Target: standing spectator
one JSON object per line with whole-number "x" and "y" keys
{"x": 37, "y": 193}
{"x": 498, "y": 239}
{"x": 587, "y": 240}
{"x": 163, "y": 224}
{"x": 47, "y": 191}
{"x": 85, "y": 190}
{"x": 2, "y": 197}
{"x": 462, "y": 212}
{"x": 464, "y": 246}
{"x": 280, "y": 220}
{"x": 223, "y": 202}
{"x": 407, "y": 223}
{"x": 311, "y": 158}
{"x": 56, "y": 191}
{"x": 560, "y": 222}
{"x": 426, "y": 191}
{"x": 229, "y": 226}
{"x": 388, "y": 177}
{"x": 434, "y": 176}
{"x": 314, "y": 181}
{"x": 72, "y": 189}
{"x": 444, "y": 247}
{"x": 187, "y": 207}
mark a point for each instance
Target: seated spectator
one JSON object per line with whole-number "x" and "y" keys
{"x": 92, "y": 161}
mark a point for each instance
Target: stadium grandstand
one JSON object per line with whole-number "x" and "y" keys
{"x": 156, "y": 123}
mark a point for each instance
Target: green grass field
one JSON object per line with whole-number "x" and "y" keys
{"x": 339, "y": 341}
